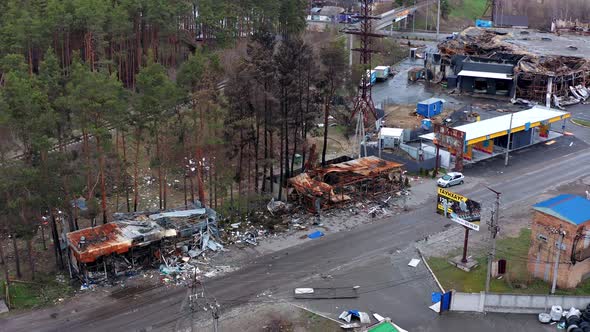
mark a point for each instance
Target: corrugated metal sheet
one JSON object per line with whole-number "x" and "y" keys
{"x": 308, "y": 184}
{"x": 114, "y": 238}
{"x": 365, "y": 166}
{"x": 99, "y": 241}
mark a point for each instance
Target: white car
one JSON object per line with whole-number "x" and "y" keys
{"x": 450, "y": 179}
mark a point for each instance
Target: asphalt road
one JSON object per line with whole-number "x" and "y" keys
{"x": 360, "y": 256}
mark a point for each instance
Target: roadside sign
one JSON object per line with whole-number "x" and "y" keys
{"x": 464, "y": 222}
{"x": 453, "y": 205}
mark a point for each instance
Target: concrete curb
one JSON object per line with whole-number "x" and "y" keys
{"x": 316, "y": 313}
{"x": 578, "y": 124}
{"x": 430, "y": 270}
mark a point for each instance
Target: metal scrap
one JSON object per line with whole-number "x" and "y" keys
{"x": 337, "y": 183}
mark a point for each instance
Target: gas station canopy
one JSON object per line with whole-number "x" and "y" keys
{"x": 500, "y": 126}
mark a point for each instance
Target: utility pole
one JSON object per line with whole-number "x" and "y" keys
{"x": 350, "y": 46}
{"x": 556, "y": 264}
{"x": 493, "y": 232}
{"x": 414, "y": 18}
{"x": 215, "y": 313}
{"x": 427, "y": 14}
{"x": 438, "y": 21}
{"x": 508, "y": 144}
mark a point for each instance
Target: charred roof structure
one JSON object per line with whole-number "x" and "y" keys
{"x": 339, "y": 183}
{"x": 543, "y": 71}
{"x": 139, "y": 239}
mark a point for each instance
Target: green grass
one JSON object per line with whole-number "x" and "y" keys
{"x": 581, "y": 122}
{"x": 469, "y": 9}
{"x": 516, "y": 280}
{"x": 46, "y": 290}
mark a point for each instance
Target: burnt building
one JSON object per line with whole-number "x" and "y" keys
{"x": 526, "y": 64}
{"x": 485, "y": 76}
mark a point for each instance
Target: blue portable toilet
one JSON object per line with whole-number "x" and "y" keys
{"x": 430, "y": 107}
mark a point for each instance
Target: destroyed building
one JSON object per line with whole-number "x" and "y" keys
{"x": 338, "y": 183}
{"x": 137, "y": 240}
{"x": 523, "y": 64}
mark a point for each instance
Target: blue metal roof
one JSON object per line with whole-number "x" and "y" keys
{"x": 572, "y": 208}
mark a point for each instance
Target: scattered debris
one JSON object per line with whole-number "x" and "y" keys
{"x": 544, "y": 318}
{"x": 3, "y": 307}
{"x": 173, "y": 241}
{"x": 364, "y": 317}
{"x": 303, "y": 290}
{"x": 315, "y": 235}
{"x": 556, "y": 312}
{"x": 347, "y": 316}
{"x": 378, "y": 317}
{"x": 326, "y": 293}
{"x": 325, "y": 187}
{"x": 435, "y": 307}
{"x": 350, "y": 326}
{"x": 414, "y": 262}
{"x": 275, "y": 207}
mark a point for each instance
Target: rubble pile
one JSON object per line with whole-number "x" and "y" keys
{"x": 176, "y": 246}
{"x": 573, "y": 319}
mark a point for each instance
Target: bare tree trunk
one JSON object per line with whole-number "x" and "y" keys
{"x": 6, "y": 275}
{"x": 2, "y": 262}
{"x": 281, "y": 171}
{"x": 127, "y": 201}
{"x": 165, "y": 192}
{"x": 88, "y": 168}
{"x": 158, "y": 157}
{"x": 103, "y": 191}
{"x": 31, "y": 257}
{"x": 256, "y": 150}
{"x": 192, "y": 189}
{"x": 199, "y": 155}
{"x": 136, "y": 172}
{"x": 271, "y": 160}
{"x": 118, "y": 174}
{"x": 326, "y": 116}
{"x": 215, "y": 188}
{"x": 16, "y": 257}
{"x": 185, "y": 196}
{"x": 56, "y": 243}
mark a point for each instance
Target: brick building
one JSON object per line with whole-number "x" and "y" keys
{"x": 568, "y": 213}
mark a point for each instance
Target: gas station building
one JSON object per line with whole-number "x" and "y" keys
{"x": 489, "y": 138}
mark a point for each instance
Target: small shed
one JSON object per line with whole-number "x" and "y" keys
{"x": 430, "y": 107}
{"x": 391, "y": 137}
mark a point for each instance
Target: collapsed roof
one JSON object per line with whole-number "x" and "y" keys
{"x": 322, "y": 182}
{"x": 138, "y": 229}
{"x": 502, "y": 45}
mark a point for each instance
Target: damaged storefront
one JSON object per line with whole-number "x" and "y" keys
{"x": 140, "y": 240}
{"x": 337, "y": 184}
{"x": 499, "y": 62}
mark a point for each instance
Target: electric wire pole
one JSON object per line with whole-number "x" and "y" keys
{"x": 508, "y": 144}
{"x": 493, "y": 232}
{"x": 438, "y": 21}
{"x": 556, "y": 264}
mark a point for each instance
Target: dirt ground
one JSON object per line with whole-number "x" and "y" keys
{"x": 404, "y": 116}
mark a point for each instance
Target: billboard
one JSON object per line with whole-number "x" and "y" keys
{"x": 458, "y": 207}
{"x": 452, "y": 139}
